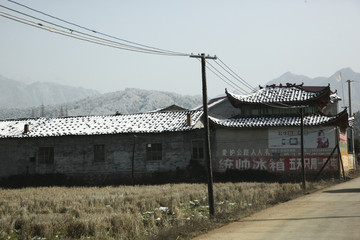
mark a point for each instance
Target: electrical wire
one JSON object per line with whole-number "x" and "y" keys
{"x": 108, "y": 43}
{"x": 53, "y": 30}
{"x": 231, "y": 85}
{"x": 164, "y": 51}
{"x": 75, "y": 31}
{"x": 135, "y": 47}
{"x": 96, "y": 40}
{"x": 238, "y": 87}
{"x": 234, "y": 75}
{"x": 59, "y": 29}
{"x": 228, "y": 81}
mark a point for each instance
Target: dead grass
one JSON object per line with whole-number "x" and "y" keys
{"x": 171, "y": 211}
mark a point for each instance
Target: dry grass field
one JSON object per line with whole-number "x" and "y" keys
{"x": 171, "y": 211}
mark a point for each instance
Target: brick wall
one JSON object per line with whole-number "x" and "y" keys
{"x": 75, "y": 154}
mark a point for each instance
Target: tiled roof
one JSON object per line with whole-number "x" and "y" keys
{"x": 173, "y": 121}
{"x": 212, "y": 102}
{"x": 276, "y": 94}
{"x": 312, "y": 120}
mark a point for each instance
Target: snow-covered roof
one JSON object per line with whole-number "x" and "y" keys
{"x": 212, "y": 102}
{"x": 283, "y": 94}
{"x": 311, "y": 120}
{"x": 172, "y": 121}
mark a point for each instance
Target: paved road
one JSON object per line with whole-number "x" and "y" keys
{"x": 333, "y": 213}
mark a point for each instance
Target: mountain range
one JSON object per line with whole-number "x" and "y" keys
{"x": 130, "y": 100}
{"x": 19, "y": 100}
{"x": 14, "y": 94}
{"x": 336, "y": 84}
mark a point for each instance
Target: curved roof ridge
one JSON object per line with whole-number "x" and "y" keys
{"x": 309, "y": 120}
{"x": 281, "y": 94}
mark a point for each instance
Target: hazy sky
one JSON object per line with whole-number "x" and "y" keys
{"x": 259, "y": 40}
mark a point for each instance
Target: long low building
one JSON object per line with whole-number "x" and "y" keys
{"x": 258, "y": 131}
{"x": 135, "y": 143}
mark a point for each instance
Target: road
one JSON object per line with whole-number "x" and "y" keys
{"x": 332, "y": 213}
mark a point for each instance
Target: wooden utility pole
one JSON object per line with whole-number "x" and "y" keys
{"x": 351, "y": 128}
{"x": 302, "y": 149}
{"x": 349, "y": 90}
{"x": 207, "y": 133}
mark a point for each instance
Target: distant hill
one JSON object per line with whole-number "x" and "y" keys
{"x": 18, "y": 100}
{"x": 127, "y": 101}
{"x": 340, "y": 86}
{"x": 14, "y": 94}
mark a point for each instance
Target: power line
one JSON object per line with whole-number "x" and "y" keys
{"x": 223, "y": 76}
{"x": 233, "y": 86}
{"x": 59, "y": 29}
{"x": 222, "y": 79}
{"x": 75, "y": 31}
{"x": 91, "y": 39}
{"x": 168, "y": 52}
{"x": 128, "y": 45}
{"x": 235, "y": 75}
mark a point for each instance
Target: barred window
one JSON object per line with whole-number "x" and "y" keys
{"x": 153, "y": 151}
{"x": 46, "y": 155}
{"x": 197, "y": 149}
{"x": 99, "y": 153}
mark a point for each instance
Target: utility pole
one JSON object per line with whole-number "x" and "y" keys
{"x": 302, "y": 148}
{"x": 349, "y": 89}
{"x": 207, "y": 132}
{"x": 351, "y": 128}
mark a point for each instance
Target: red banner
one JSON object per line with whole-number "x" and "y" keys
{"x": 267, "y": 163}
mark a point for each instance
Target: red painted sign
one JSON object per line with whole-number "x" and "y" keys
{"x": 267, "y": 163}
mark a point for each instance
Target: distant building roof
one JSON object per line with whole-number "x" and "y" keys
{"x": 340, "y": 119}
{"x": 289, "y": 94}
{"x": 173, "y": 107}
{"x": 172, "y": 121}
{"x": 212, "y": 102}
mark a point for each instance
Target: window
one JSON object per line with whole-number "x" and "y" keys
{"x": 246, "y": 111}
{"x": 309, "y": 110}
{"x": 153, "y": 151}
{"x": 99, "y": 153}
{"x": 197, "y": 149}
{"x": 46, "y": 155}
{"x": 255, "y": 111}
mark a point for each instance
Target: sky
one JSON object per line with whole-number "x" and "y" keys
{"x": 258, "y": 39}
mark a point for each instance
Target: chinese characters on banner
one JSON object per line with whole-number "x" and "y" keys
{"x": 246, "y": 159}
